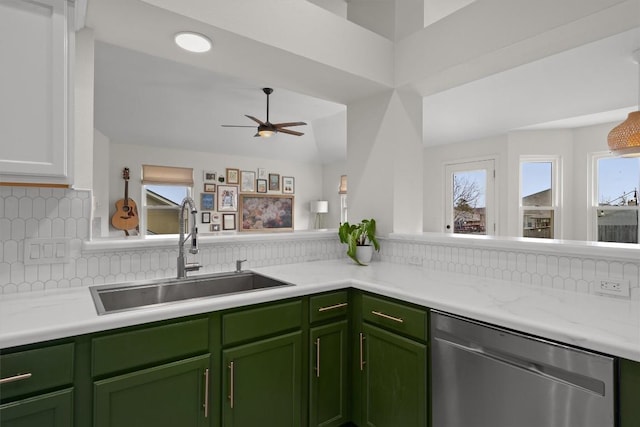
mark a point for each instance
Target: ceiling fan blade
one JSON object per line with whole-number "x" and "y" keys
{"x": 256, "y": 120}
{"x": 237, "y": 126}
{"x": 284, "y": 125}
{"x": 290, "y": 132}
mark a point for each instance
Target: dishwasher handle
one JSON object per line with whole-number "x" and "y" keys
{"x": 563, "y": 376}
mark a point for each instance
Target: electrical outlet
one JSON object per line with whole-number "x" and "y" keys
{"x": 612, "y": 286}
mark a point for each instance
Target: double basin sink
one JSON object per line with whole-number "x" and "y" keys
{"x": 130, "y": 296}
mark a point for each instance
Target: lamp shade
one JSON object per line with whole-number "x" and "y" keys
{"x": 319, "y": 206}
{"x": 624, "y": 139}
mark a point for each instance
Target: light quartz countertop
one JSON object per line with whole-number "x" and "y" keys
{"x": 603, "y": 324}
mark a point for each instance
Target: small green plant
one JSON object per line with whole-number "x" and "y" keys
{"x": 360, "y": 234}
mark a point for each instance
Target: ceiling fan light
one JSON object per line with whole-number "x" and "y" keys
{"x": 266, "y": 133}
{"x": 193, "y": 42}
{"x": 624, "y": 139}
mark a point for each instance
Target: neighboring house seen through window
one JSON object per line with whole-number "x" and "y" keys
{"x": 163, "y": 190}
{"x": 615, "y": 199}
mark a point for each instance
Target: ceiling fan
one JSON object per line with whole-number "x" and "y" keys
{"x": 266, "y": 128}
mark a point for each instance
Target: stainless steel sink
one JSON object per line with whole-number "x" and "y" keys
{"x": 130, "y": 296}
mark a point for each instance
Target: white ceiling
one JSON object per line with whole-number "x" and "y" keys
{"x": 145, "y": 99}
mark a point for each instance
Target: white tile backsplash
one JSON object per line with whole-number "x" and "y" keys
{"x": 28, "y": 213}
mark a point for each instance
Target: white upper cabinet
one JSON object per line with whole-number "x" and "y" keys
{"x": 36, "y": 45}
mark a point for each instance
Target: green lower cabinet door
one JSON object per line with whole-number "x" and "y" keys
{"x": 395, "y": 380}
{"x": 629, "y": 393}
{"x": 170, "y": 395}
{"x": 329, "y": 376}
{"x": 47, "y": 410}
{"x": 262, "y": 383}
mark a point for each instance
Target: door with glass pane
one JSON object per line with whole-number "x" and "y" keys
{"x": 616, "y": 210}
{"x": 469, "y": 207}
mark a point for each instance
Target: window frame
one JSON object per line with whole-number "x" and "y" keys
{"x": 594, "y": 203}
{"x": 556, "y": 193}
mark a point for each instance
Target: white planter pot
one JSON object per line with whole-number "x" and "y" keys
{"x": 364, "y": 253}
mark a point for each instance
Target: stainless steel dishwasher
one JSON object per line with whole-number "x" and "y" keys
{"x": 483, "y": 376}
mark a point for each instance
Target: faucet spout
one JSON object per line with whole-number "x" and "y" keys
{"x": 182, "y": 265}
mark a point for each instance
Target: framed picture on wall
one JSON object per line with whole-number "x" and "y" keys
{"x": 228, "y": 221}
{"x": 206, "y": 202}
{"x": 266, "y": 212}
{"x": 206, "y": 217}
{"x": 209, "y": 188}
{"x": 262, "y": 173}
{"x": 288, "y": 185}
{"x": 215, "y": 227}
{"x": 262, "y": 185}
{"x": 233, "y": 176}
{"x": 247, "y": 182}
{"x": 209, "y": 175}
{"x": 274, "y": 182}
{"x": 227, "y": 198}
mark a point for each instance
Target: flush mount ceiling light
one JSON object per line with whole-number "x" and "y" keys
{"x": 624, "y": 139}
{"x": 193, "y": 42}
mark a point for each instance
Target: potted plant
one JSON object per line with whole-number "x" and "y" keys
{"x": 360, "y": 239}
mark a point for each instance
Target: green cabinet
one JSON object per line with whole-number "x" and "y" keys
{"x": 390, "y": 370}
{"x": 395, "y": 381}
{"x": 46, "y": 410}
{"x": 329, "y": 353}
{"x": 153, "y": 376}
{"x": 262, "y": 382}
{"x": 629, "y": 393}
{"x": 173, "y": 394}
{"x": 36, "y": 386}
{"x": 329, "y": 381}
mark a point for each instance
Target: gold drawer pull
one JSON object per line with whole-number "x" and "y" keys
{"x": 15, "y": 378}
{"x": 386, "y": 316}
{"x": 333, "y": 307}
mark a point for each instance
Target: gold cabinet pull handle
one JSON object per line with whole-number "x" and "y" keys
{"x": 18, "y": 377}
{"x": 206, "y": 393}
{"x": 333, "y": 307}
{"x": 386, "y": 316}
{"x": 362, "y": 362}
{"x": 317, "y": 357}
{"x": 231, "y": 384}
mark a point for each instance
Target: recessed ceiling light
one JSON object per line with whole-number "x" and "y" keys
{"x": 193, "y": 42}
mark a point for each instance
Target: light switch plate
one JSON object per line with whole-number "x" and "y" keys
{"x": 46, "y": 251}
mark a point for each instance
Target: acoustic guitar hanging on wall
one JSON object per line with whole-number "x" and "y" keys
{"x": 126, "y": 216}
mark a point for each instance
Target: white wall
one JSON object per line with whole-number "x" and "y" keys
{"x": 101, "y": 203}
{"x": 434, "y": 10}
{"x": 308, "y": 177}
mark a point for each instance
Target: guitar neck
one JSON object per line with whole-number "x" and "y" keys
{"x": 126, "y": 192}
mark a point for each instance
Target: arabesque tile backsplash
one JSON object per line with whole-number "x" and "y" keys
{"x": 31, "y": 213}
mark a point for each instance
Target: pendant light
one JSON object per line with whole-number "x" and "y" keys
{"x": 624, "y": 139}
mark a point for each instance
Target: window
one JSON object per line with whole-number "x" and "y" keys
{"x": 470, "y": 189}
{"x": 539, "y": 198}
{"x": 615, "y": 199}
{"x": 163, "y": 190}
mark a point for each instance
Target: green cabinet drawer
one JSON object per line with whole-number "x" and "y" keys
{"x": 258, "y": 322}
{"x": 395, "y": 317}
{"x": 29, "y": 371}
{"x": 328, "y": 306}
{"x": 144, "y": 347}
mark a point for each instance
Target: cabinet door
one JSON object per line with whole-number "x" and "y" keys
{"x": 629, "y": 394}
{"x": 261, "y": 383}
{"x": 47, "y": 410}
{"x": 174, "y": 394}
{"x": 329, "y": 375}
{"x": 34, "y": 82}
{"x": 395, "y": 379}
